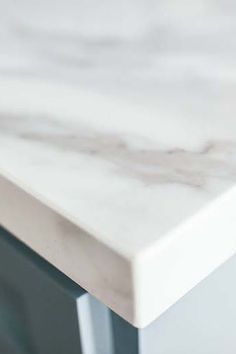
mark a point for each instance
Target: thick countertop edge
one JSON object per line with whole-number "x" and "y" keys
{"x": 62, "y": 213}
{"x": 139, "y": 288}
{"x": 93, "y": 265}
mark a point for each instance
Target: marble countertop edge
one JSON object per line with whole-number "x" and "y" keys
{"x": 184, "y": 257}
{"x": 63, "y": 214}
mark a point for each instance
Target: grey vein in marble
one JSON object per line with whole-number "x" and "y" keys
{"x": 150, "y": 166}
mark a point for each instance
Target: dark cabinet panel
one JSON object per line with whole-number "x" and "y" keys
{"x": 38, "y": 304}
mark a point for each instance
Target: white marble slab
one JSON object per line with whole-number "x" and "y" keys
{"x": 118, "y": 143}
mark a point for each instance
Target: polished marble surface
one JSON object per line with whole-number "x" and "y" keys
{"x": 120, "y": 118}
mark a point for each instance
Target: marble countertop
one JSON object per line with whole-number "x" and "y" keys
{"x": 118, "y": 143}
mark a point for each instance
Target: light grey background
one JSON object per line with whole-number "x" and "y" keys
{"x": 203, "y": 322}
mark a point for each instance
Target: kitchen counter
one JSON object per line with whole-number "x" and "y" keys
{"x": 118, "y": 151}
